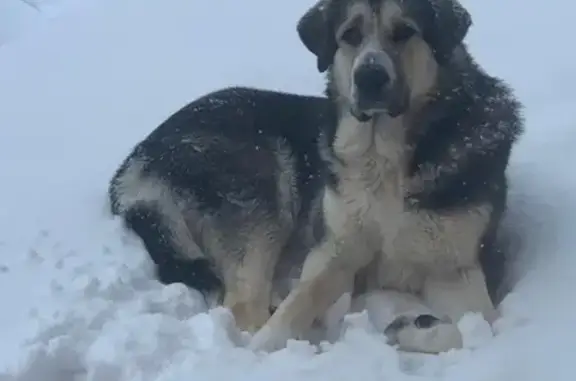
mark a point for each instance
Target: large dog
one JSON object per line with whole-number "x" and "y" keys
{"x": 416, "y": 161}
{"x": 395, "y": 181}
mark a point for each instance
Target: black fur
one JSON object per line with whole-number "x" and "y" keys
{"x": 444, "y": 24}
{"x": 219, "y": 150}
{"x": 170, "y": 268}
{"x": 475, "y": 116}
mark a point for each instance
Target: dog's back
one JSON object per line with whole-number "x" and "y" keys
{"x": 230, "y": 173}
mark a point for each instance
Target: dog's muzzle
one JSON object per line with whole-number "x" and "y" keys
{"x": 373, "y": 86}
{"x": 372, "y": 83}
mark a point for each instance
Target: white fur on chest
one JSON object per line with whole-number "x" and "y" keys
{"x": 369, "y": 198}
{"x": 369, "y": 209}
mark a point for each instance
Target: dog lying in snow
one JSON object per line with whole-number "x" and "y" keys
{"x": 394, "y": 181}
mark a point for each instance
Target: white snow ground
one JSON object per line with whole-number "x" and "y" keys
{"x": 77, "y": 294}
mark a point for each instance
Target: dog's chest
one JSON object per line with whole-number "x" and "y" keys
{"x": 370, "y": 196}
{"x": 368, "y": 210}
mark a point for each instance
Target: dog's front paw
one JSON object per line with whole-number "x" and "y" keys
{"x": 424, "y": 333}
{"x": 269, "y": 339}
{"x": 249, "y": 317}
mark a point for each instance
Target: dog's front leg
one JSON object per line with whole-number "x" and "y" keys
{"x": 463, "y": 292}
{"x": 327, "y": 274}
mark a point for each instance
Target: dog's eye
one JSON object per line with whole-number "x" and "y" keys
{"x": 352, "y": 36}
{"x": 403, "y": 33}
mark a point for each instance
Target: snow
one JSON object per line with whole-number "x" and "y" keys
{"x": 78, "y": 295}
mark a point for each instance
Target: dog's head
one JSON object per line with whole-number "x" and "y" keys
{"x": 383, "y": 54}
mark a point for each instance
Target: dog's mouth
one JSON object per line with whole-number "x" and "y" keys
{"x": 365, "y": 114}
{"x": 360, "y": 116}
{"x": 392, "y": 104}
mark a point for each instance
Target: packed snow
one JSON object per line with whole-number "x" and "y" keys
{"x": 79, "y": 300}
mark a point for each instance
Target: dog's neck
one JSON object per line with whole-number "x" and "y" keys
{"x": 379, "y": 135}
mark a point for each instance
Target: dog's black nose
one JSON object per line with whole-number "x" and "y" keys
{"x": 371, "y": 81}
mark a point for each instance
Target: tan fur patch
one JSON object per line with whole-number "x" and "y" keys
{"x": 420, "y": 68}
{"x": 390, "y": 12}
{"x": 249, "y": 282}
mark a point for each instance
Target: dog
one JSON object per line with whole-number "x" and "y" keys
{"x": 242, "y": 193}
{"x": 416, "y": 161}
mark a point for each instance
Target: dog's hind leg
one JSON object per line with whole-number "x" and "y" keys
{"x": 152, "y": 210}
{"x": 173, "y": 265}
{"x": 248, "y": 275}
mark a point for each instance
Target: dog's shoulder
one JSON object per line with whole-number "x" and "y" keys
{"x": 462, "y": 152}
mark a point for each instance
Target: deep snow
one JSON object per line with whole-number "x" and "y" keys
{"x": 78, "y": 298}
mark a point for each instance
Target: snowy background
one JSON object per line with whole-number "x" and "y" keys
{"x": 81, "y": 81}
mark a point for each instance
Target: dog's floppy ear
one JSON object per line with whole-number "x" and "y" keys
{"x": 315, "y": 31}
{"x": 448, "y": 27}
